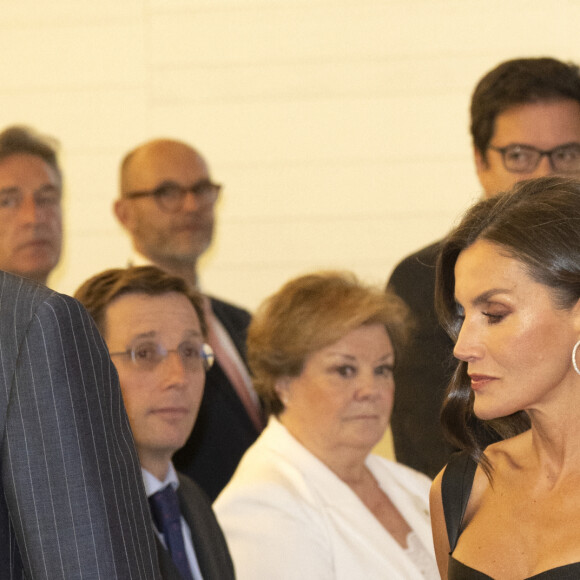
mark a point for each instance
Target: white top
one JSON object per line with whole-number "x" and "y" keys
{"x": 287, "y": 516}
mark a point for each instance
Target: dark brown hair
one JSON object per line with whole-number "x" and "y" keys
{"x": 537, "y": 223}
{"x": 519, "y": 82}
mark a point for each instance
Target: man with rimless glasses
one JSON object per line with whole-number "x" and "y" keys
{"x": 525, "y": 123}
{"x": 167, "y": 206}
{"x": 155, "y": 329}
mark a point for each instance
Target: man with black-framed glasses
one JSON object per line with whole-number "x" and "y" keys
{"x": 167, "y": 206}
{"x": 525, "y": 123}
{"x": 155, "y": 329}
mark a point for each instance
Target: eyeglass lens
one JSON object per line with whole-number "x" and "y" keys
{"x": 171, "y": 196}
{"x": 525, "y": 159}
{"x": 148, "y": 355}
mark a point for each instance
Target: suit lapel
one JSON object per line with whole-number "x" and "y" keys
{"x": 198, "y": 536}
{"x": 168, "y": 569}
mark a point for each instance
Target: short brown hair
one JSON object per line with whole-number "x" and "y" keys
{"x": 309, "y": 313}
{"x": 97, "y": 293}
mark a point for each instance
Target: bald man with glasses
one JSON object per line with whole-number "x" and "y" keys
{"x": 525, "y": 123}
{"x": 167, "y": 206}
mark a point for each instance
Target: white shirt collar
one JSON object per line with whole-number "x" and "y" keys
{"x": 153, "y": 485}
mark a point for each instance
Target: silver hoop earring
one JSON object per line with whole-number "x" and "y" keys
{"x": 574, "y": 363}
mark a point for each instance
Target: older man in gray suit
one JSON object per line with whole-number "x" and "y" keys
{"x": 72, "y": 502}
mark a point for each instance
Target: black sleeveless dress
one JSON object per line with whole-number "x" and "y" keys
{"x": 455, "y": 491}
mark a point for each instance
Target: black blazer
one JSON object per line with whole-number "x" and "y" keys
{"x": 223, "y": 430}
{"x": 209, "y": 543}
{"x": 423, "y": 371}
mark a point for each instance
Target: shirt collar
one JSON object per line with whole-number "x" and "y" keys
{"x": 153, "y": 485}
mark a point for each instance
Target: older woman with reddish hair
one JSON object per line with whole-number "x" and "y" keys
{"x": 308, "y": 499}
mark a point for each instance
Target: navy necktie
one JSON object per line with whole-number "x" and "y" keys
{"x": 165, "y": 508}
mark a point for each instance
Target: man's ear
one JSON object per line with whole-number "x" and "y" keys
{"x": 123, "y": 212}
{"x": 485, "y": 176}
{"x": 480, "y": 162}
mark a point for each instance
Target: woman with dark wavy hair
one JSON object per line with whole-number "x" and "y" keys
{"x": 508, "y": 290}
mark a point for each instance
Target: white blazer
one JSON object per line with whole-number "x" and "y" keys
{"x": 287, "y": 516}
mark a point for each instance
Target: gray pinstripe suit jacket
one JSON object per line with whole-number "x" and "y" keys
{"x": 72, "y": 503}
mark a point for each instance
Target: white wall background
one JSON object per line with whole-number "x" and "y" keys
{"x": 339, "y": 127}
